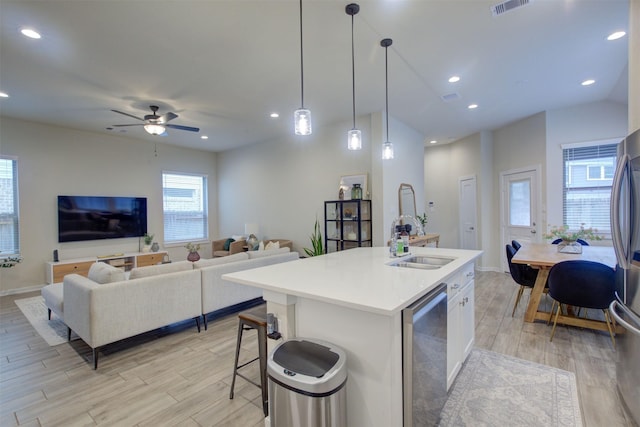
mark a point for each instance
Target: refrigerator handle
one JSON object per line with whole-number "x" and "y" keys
{"x": 629, "y": 327}
{"x": 616, "y": 230}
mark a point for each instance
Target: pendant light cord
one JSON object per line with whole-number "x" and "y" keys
{"x": 353, "y": 75}
{"x": 386, "y": 85}
{"x": 301, "y": 63}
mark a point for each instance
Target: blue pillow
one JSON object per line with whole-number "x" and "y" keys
{"x": 227, "y": 244}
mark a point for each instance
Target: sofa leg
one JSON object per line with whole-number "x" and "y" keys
{"x": 95, "y": 359}
{"x": 197, "y": 319}
{"x": 68, "y": 333}
{"x": 49, "y": 313}
{"x": 204, "y": 320}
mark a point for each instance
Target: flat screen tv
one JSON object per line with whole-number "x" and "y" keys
{"x": 95, "y": 217}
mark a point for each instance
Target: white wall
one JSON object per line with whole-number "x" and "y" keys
{"x": 54, "y": 160}
{"x": 282, "y": 184}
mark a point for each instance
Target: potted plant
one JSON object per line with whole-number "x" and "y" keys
{"x": 423, "y": 220}
{"x": 316, "y": 242}
{"x": 193, "y": 252}
{"x": 148, "y": 240}
{"x": 568, "y": 239}
{"x": 10, "y": 261}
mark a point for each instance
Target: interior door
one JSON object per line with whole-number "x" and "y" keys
{"x": 519, "y": 210}
{"x": 468, "y": 213}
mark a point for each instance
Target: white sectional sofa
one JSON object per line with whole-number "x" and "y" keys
{"x": 107, "y": 307}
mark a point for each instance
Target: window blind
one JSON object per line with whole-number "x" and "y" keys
{"x": 588, "y": 177}
{"x": 184, "y": 202}
{"x": 9, "y": 218}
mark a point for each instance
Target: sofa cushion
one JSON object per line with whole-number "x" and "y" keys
{"x": 102, "y": 273}
{"x": 242, "y": 256}
{"x": 154, "y": 270}
{"x": 265, "y": 253}
{"x": 53, "y": 298}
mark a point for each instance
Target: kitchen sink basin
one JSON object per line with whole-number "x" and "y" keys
{"x": 423, "y": 262}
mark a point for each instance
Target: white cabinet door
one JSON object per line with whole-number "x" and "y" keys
{"x": 454, "y": 361}
{"x": 467, "y": 319}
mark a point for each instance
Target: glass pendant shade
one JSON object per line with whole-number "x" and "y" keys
{"x": 302, "y": 119}
{"x": 387, "y": 151}
{"x": 154, "y": 129}
{"x": 354, "y": 139}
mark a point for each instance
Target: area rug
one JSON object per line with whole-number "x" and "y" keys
{"x": 53, "y": 331}
{"x": 497, "y": 390}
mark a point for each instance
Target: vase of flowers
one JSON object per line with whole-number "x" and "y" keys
{"x": 193, "y": 255}
{"x": 568, "y": 240}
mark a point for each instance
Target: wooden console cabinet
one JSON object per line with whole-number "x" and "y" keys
{"x": 55, "y": 271}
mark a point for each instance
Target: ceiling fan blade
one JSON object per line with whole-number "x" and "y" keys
{"x": 135, "y": 124}
{"x": 190, "y": 129}
{"x": 127, "y": 114}
{"x": 167, "y": 117}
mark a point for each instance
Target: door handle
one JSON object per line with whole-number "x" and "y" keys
{"x": 533, "y": 231}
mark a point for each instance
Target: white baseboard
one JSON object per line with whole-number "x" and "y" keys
{"x": 21, "y": 290}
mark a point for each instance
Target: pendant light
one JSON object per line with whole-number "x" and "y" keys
{"x": 354, "y": 136}
{"x": 387, "y": 147}
{"x": 302, "y": 116}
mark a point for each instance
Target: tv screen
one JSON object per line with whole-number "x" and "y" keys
{"x": 94, "y": 217}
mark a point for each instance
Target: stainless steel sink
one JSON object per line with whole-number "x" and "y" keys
{"x": 423, "y": 262}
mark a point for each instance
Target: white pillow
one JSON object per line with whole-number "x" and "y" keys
{"x": 261, "y": 246}
{"x": 101, "y": 272}
{"x": 272, "y": 245}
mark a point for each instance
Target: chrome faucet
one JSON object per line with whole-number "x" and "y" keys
{"x": 404, "y": 219}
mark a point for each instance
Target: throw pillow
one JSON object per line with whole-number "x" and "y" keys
{"x": 227, "y": 244}
{"x": 272, "y": 245}
{"x": 260, "y": 246}
{"x": 101, "y": 272}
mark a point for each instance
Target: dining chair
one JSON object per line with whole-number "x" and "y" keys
{"x": 523, "y": 275}
{"x": 584, "y": 284}
{"x": 582, "y": 242}
{"x": 516, "y": 245}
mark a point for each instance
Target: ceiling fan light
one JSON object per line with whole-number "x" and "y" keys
{"x": 387, "y": 151}
{"x": 354, "y": 139}
{"x": 302, "y": 120}
{"x": 154, "y": 129}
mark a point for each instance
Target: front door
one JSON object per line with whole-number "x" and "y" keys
{"x": 468, "y": 213}
{"x": 519, "y": 208}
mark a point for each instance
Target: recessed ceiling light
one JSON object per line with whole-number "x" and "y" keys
{"x": 588, "y": 82}
{"x": 4, "y": 95}
{"x": 31, "y": 33}
{"x": 274, "y": 115}
{"x": 204, "y": 137}
{"x": 472, "y": 106}
{"x": 616, "y": 35}
{"x": 433, "y": 141}
{"x": 454, "y": 79}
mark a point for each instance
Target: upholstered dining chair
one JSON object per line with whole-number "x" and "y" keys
{"x": 582, "y": 242}
{"x": 584, "y": 284}
{"x": 516, "y": 245}
{"x": 523, "y": 275}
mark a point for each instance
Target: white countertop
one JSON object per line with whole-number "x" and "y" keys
{"x": 359, "y": 278}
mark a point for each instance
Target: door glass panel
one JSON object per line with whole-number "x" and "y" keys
{"x": 520, "y": 203}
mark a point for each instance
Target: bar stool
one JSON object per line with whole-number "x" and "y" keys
{"x": 255, "y": 318}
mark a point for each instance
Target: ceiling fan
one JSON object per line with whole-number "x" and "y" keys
{"x": 155, "y": 124}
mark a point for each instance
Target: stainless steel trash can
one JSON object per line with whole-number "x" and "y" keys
{"x": 307, "y": 380}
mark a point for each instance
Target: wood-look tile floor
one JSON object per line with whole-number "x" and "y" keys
{"x": 176, "y": 376}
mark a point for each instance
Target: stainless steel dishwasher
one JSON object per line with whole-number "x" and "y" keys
{"x": 424, "y": 358}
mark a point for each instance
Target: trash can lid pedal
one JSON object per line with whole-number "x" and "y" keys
{"x": 306, "y": 358}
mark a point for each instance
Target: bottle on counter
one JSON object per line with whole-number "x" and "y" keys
{"x": 404, "y": 235}
{"x": 398, "y": 240}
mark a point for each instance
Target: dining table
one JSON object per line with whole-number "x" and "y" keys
{"x": 543, "y": 256}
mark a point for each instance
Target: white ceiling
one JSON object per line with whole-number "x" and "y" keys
{"x": 223, "y": 66}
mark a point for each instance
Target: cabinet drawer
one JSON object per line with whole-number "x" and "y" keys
{"x": 82, "y": 268}
{"x": 467, "y": 273}
{"x": 149, "y": 259}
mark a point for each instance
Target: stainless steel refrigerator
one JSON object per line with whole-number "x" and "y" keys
{"x": 625, "y": 229}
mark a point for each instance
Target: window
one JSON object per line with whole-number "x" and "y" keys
{"x": 184, "y": 203}
{"x": 9, "y": 219}
{"x": 588, "y": 176}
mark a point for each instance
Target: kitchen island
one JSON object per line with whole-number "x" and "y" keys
{"x": 354, "y": 299}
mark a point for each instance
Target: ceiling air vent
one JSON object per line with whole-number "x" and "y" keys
{"x": 450, "y": 97}
{"x": 508, "y": 6}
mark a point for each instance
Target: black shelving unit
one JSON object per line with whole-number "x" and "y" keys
{"x": 347, "y": 224}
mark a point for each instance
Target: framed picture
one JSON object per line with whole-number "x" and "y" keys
{"x": 347, "y": 181}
